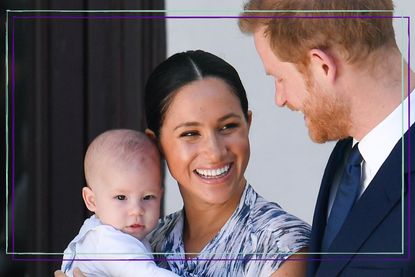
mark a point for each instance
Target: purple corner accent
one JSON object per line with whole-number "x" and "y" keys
{"x": 332, "y": 258}
{"x": 193, "y": 17}
{"x": 154, "y": 259}
{"x": 13, "y": 134}
{"x": 409, "y": 138}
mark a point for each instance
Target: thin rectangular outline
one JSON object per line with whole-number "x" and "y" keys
{"x": 190, "y": 17}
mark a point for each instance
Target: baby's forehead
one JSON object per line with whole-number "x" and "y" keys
{"x": 135, "y": 161}
{"x": 119, "y": 146}
{"x": 121, "y": 149}
{"x": 126, "y": 145}
{"x": 129, "y": 175}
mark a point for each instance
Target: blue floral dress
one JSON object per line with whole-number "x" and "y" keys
{"x": 255, "y": 241}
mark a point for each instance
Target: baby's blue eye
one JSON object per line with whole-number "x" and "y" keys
{"x": 120, "y": 197}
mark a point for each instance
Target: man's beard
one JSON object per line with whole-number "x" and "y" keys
{"x": 326, "y": 114}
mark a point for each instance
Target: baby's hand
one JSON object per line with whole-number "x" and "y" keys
{"x": 59, "y": 273}
{"x": 76, "y": 273}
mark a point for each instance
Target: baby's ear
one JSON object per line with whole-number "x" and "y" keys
{"x": 151, "y": 135}
{"x": 89, "y": 198}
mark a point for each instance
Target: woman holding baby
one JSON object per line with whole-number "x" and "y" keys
{"x": 197, "y": 112}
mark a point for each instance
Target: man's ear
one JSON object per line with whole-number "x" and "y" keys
{"x": 323, "y": 66}
{"x": 89, "y": 198}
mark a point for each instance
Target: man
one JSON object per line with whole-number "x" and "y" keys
{"x": 343, "y": 71}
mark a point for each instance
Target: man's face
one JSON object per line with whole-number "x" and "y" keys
{"x": 325, "y": 113}
{"x": 290, "y": 86}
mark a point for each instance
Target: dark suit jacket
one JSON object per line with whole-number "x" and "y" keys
{"x": 376, "y": 223}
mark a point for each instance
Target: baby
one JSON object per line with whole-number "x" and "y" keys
{"x": 122, "y": 171}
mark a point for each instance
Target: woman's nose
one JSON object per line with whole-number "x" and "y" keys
{"x": 215, "y": 148}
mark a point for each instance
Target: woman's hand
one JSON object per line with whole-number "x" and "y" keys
{"x": 76, "y": 273}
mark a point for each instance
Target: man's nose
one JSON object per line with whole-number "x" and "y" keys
{"x": 280, "y": 99}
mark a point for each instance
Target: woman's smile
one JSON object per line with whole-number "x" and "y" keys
{"x": 213, "y": 173}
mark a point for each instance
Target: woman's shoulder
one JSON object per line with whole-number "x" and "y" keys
{"x": 274, "y": 231}
{"x": 266, "y": 215}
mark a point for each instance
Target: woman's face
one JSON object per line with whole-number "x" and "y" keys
{"x": 205, "y": 142}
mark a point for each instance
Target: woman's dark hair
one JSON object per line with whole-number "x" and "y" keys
{"x": 180, "y": 70}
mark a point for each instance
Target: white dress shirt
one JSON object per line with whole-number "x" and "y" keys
{"x": 376, "y": 146}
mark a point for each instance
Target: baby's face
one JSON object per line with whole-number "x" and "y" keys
{"x": 128, "y": 198}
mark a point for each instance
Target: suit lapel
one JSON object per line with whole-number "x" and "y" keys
{"x": 383, "y": 193}
{"x": 320, "y": 211}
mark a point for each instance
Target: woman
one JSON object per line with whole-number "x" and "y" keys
{"x": 197, "y": 112}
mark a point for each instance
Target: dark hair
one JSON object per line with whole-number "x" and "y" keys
{"x": 180, "y": 70}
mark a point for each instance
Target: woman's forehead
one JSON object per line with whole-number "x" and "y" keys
{"x": 210, "y": 94}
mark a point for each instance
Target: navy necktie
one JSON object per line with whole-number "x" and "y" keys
{"x": 347, "y": 194}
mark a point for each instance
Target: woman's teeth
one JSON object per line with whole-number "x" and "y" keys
{"x": 213, "y": 173}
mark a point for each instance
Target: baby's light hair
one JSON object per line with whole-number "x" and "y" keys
{"x": 123, "y": 147}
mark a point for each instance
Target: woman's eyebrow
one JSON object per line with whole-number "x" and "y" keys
{"x": 195, "y": 123}
{"x": 229, "y": 115}
{"x": 187, "y": 124}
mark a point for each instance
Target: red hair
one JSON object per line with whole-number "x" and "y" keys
{"x": 353, "y": 34}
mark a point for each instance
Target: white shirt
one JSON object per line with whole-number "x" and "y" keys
{"x": 376, "y": 146}
{"x": 98, "y": 241}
